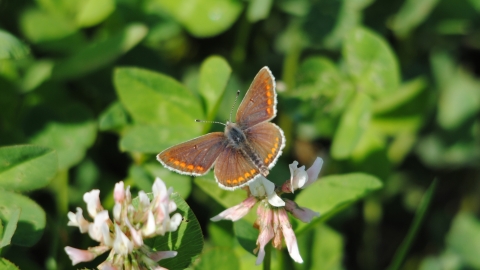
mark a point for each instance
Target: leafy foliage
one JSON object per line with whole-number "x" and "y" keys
{"x": 387, "y": 93}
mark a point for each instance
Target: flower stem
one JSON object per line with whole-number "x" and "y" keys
{"x": 267, "y": 261}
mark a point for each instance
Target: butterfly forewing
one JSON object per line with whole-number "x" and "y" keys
{"x": 259, "y": 103}
{"x": 268, "y": 141}
{"x": 233, "y": 169}
{"x": 194, "y": 157}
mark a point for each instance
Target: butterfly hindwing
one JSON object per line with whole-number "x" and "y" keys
{"x": 259, "y": 103}
{"x": 194, "y": 157}
{"x": 268, "y": 141}
{"x": 233, "y": 169}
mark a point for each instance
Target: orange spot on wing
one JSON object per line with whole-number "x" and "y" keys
{"x": 247, "y": 175}
{"x": 252, "y": 171}
{"x": 228, "y": 181}
{"x": 234, "y": 181}
{"x": 241, "y": 179}
{"x": 268, "y": 93}
{"x": 269, "y": 102}
{"x": 269, "y": 111}
{"x": 268, "y": 87}
{"x": 266, "y": 160}
{"x": 171, "y": 159}
{"x": 190, "y": 167}
{"x": 199, "y": 168}
{"x": 273, "y": 150}
{"x": 270, "y": 156}
{"x": 276, "y": 139}
{"x": 183, "y": 164}
{"x": 276, "y": 145}
{"x": 176, "y": 162}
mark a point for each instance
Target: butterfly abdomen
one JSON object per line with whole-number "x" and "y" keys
{"x": 238, "y": 140}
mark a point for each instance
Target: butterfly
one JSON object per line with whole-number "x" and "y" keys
{"x": 247, "y": 149}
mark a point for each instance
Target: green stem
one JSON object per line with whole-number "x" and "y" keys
{"x": 416, "y": 225}
{"x": 267, "y": 261}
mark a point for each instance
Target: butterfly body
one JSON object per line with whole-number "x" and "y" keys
{"x": 238, "y": 140}
{"x": 246, "y": 150}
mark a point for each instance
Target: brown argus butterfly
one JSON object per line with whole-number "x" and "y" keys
{"x": 247, "y": 148}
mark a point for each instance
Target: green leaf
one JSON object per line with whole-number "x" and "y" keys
{"x": 246, "y": 235}
{"x": 11, "y": 47}
{"x": 154, "y": 98}
{"x": 7, "y": 265}
{"x": 36, "y": 74}
{"x": 354, "y": 122}
{"x": 203, "y": 18}
{"x": 37, "y": 25}
{"x": 32, "y": 218}
{"x": 100, "y": 53}
{"x": 459, "y": 100}
{"x": 214, "y": 75}
{"x": 69, "y": 129}
{"x": 156, "y": 138}
{"x": 371, "y": 63}
{"x": 115, "y": 117}
{"x": 187, "y": 240}
{"x": 26, "y": 167}
{"x": 94, "y": 11}
{"x": 331, "y": 194}
{"x": 411, "y": 14}
{"x": 216, "y": 258}
{"x": 464, "y": 238}
{"x": 258, "y": 10}
{"x": 11, "y": 227}
{"x": 349, "y": 17}
{"x": 226, "y": 198}
{"x": 321, "y": 248}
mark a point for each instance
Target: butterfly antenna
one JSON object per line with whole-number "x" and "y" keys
{"x": 204, "y": 121}
{"x": 234, "y": 103}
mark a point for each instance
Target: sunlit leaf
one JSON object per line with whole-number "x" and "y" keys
{"x": 26, "y": 167}
{"x": 371, "y": 63}
{"x": 464, "y": 238}
{"x": 32, "y": 218}
{"x": 11, "y": 47}
{"x": 258, "y": 10}
{"x": 100, "y": 53}
{"x": 217, "y": 258}
{"x": 7, "y": 265}
{"x": 411, "y": 14}
{"x": 331, "y": 194}
{"x": 214, "y": 75}
{"x": 7, "y": 234}
{"x": 354, "y": 122}
{"x": 204, "y": 18}
{"x": 93, "y": 12}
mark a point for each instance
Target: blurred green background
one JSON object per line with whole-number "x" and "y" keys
{"x": 386, "y": 88}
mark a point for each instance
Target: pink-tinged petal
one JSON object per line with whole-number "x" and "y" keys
{"x": 78, "y": 220}
{"x": 236, "y": 212}
{"x": 122, "y": 245}
{"x": 265, "y": 217}
{"x": 277, "y": 231}
{"x": 160, "y": 255}
{"x": 313, "y": 172}
{"x": 79, "y": 255}
{"x": 92, "y": 199}
{"x": 290, "y": 239}
{"x": 304, "y": 214}
{"x": 119, "y": 192}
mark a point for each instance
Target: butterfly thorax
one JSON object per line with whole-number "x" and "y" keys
{"x": 238, "y": 140}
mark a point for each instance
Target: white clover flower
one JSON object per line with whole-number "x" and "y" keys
{"x": 124, "y": 235}
{"x": 272, "y": 218}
